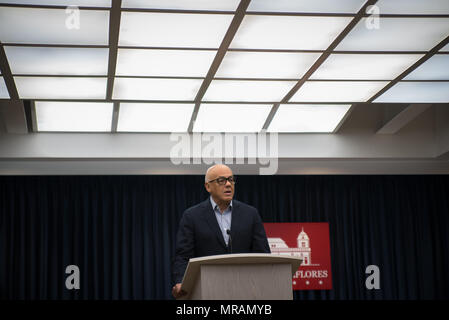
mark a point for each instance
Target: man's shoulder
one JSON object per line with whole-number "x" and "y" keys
{"x": 196, "y": 208}
{"x": 244, "y": 206}
{"x": 200, "y": 207}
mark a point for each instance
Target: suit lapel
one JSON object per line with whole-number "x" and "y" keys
{"x": 236, "y": 218}
{"x": 209, "y": 215}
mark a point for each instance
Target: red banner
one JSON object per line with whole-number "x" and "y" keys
{"x": 308, "y": 241}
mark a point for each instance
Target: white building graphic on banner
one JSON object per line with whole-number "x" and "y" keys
{"x": 303, "y": 250}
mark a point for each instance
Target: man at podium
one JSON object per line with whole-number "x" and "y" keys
{"x": 218, "y": 225}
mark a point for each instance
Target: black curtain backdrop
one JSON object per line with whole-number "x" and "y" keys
{"x": 120, "y": 231}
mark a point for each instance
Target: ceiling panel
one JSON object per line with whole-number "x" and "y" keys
{"x": 436, "y": 68}
{"x": 417, "y": 92}
{"x": 321, "y": 6}
{"x": 445, "y": 48}
{"x": 3, "y": 90}
{"x": 73, "y": 116}
{"x": 365, "y": 66}
{"x": 156, "y": 89}
{"x": 153, "y": 117}
{"x": 58, "y": 61}
{"x": 247, "y": 91}
{"x": 61, "y": 87}
{"x": 219, "y": 5}
{"x": 53, "y": 26}
{"x": 337, "y": 91}
{"x": 231, "y": 117}
{"x": 396, "y": 34}
{"x": 288, "y": 32}
{"x": 179, "y": 30}
{"x": 413, "y": 6}
{"x": 266, "y": 64}
{"x": 307, "y": 118}
{"x": 181, "y": 63}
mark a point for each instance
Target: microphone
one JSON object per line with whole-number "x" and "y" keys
{"x": 230, "y": 239}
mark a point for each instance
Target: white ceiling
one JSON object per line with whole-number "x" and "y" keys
{"x": 220, "y": 58}
{"x": 98, "y": 87}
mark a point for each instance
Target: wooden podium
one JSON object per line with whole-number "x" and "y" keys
{"x": 249, "y": 276}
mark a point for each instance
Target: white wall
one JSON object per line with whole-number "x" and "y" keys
{"x": 355, "y": 149}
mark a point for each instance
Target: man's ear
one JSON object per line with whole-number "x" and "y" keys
{"x": 206, "y": 185}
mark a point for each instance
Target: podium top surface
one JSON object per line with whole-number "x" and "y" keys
{"x": 245, "y": 258}
{"x": 194, "y": 265}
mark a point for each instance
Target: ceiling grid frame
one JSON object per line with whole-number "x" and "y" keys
{"x": 239, "y": 14}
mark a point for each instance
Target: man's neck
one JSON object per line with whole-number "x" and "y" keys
{"x": 222, "y": 205}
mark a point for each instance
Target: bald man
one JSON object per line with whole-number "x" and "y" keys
{"x": 219, "y": 225}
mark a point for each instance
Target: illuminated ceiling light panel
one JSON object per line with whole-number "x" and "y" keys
{"x": 61, "y": 87}
{"x": 73, "y": 116}
{"x": 307, "y": 118}
{"x": 58, "y": 61}
{"x": 338, "y": 91}
{"x": 153, "y": 117}
{"x": 53, "y": 26}
{"x": 173, "y": 29}
{"x": 288, "y": 32}
{"x": 231, "y": 117}
{"x": 436, "y": 68}
{"x": 156, "y": 89}
{"x": 177, "y": 63}
{"x": 413, "y": 6}
{"x": 365, "y": 66}
{"x": 396, "y": 34}
{"x": 247, "y": 91}
{"x": 266, "y": 64}
{"x": 417, "y": 92}
{"x": 3, "y": 90}
{"x": 66, "y": 3}
{"x": 321, "y": 6}
{"x": 219, "y": 5}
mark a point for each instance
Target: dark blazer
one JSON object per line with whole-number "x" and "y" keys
{"x": 199, "y": 234}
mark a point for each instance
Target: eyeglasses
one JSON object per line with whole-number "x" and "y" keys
{"x": 222, "y": 180}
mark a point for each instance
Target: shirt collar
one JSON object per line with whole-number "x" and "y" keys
{"x": 214, "y": 205}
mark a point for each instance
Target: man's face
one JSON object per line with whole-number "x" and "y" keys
{"x": 219, "y": 192}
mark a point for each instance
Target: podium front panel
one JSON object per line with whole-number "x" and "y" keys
{"x": 245, "y": 282}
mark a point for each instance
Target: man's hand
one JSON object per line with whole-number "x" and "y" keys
{"x": 177, "y": 292}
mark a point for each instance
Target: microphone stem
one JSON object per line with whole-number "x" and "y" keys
{"x": 230, "y": 239}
